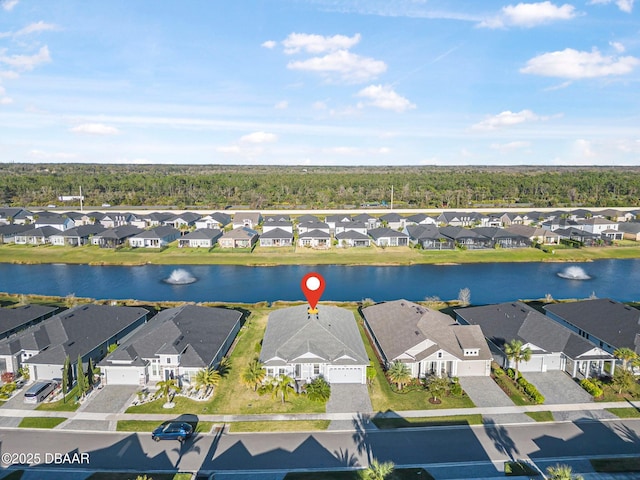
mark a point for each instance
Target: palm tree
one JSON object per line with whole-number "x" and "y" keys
{"x": 626, "y": 355}
{"x": 279, "y": 386}
{"x": 562, "y": 472}
{"x": 207, "y": 378}
{"x": 377, "y": 470}
{"x": 517, "y": 353}
{"x": 318, "y": 390}
{"x": 399, "y": 374}
{"x": 437, "y": 386}
{"x": 254, "y": 374}
{"x": 165, "y": 387}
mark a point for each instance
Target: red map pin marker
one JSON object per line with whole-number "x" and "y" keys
{"x": 312, "y": 286}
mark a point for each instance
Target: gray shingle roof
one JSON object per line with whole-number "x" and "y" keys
{"x": 613, "y": 322}
{"x": 11, "y": 318}
{"x": 291, "y": 332}
{"x": 203, "y": 234}
{"x": 277, "y": 233}
{"x": 198, "y": 333}
{"x": 383, "y": 232}
{"x": 504, "y": 322}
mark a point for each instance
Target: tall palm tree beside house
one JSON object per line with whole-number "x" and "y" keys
{"x": 399, "y": 374}
{"x": 207, "y": 378}
{"x": 377, "y": 470}
{"x": 318, "y": 390}
{"x": 625, "y": 354}
{"x": 165, "y": 388}
{"x": 254, "y": 374}
{"x": 279, "y": 386}
{"x": 516, "y": 352}
{"x": 562, "y": 472}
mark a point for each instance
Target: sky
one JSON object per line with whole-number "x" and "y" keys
{"x": 320, "y": 82}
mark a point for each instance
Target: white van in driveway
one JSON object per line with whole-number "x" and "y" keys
{"x": 39, "y": 391}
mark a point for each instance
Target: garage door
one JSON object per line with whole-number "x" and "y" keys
{"x": 122, "y": 376}
{"x": 345, "y": 375}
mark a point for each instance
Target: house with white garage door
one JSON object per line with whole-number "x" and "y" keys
{"x": 427, "y": 341}
{"x": 307, "y": 345}
{"x": 176, "y": 343}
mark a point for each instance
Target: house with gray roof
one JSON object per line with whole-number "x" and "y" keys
{"x": 369, "y": 220}
{"x": 553, "y": 347}
{"x": 428, "y": 237}
{"x": 630, "y": 230}
{"x": 247, "y": 219}
{"x": 15, "y": 216}
{"x": 272, "y": 224}
{"x": 76, "y": 236}
{"x": 535, "y": 234}
{"x": 200, "y": 238}
{"x": 36, "y": 236}
{"x": 157, "y": 237}
{"x": 55, "y": 220}
{"x": 305, "y": 227}
{"x": 176, "y": 343}
{"x": 466, "y": 237}
{"x": 9, "y": 232}
{"x": 352, "y": 238}
{"x": 14, "y": 319}
{"x": 503, "y": 238}
{"x": 86, "y": 331}
{"x": 393, "y": 220}
{"x": 420, "y": 219}
{"x": 304, "y": 345}
{"x": 603, "y": 322}
{"x": 427, "y": 341}
{"x": 276, "y": 237}
{"x": 242, "y": 237}
{"x": 182, "y": 220}
{"x": 315, "y": 239}
{"x": 217, "y": 220}
{"x": 115, "y": 237}
{"x": 387, "y": 237}
{"x": 352, "y": 226}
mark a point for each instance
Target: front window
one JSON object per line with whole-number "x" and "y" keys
{"x": 316, "y": 369}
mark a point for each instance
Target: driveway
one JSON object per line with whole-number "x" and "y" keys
{"x": 109, "y": 399}
{"x": 484, "y": 392}
{"x": 558, "y": 387}
{"x": 347, "y": 398}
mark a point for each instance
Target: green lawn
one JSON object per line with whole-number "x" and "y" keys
{"x": 513, "y": 392}
{"x": 611, "y": 394}
{"x": 41, "y": 422}
{"x": 519, "y": 469}
{"x": 173, "y": 255}
{"x": 389, "y": 423}
{"x": 629, "y": 412}
{"x": 545, "y": 416}
{"x": 150, "y": 425}
{"x": 59, "y": 406}
{"x": 284, "y": 426}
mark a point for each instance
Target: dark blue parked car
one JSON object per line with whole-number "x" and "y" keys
{"x": 172, "y": 431}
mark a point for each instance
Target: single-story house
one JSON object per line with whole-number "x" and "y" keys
{"x": 503, "y": 238}
{"x": 200, "y": 238}
{"x": 306, "y": 218}
{"x": 535, "y": 234}
{"x": 466, "y": 237}
{"x": 630, "y": 230}
{"x": 271, "y": 224}
{"x": 57, "y": 221}
{"x": 315, "y": 239}
{"x": 352, "y": 238}
{"x": 176, "y": 343}
{"x": 157, "y": 237}
{"x": 332, "y": 220}
{"x": 393, "y": 220}
{"x": 85, "y": 330}
{"x": 387, "y": 237}
{"x": 156, "y": 219}
{"x": 604, "y": 322}
{"x": 277, "y": 218}
{"x": 76, "y": 236}
{"x": 359, "y": 227}
{"x": 12, "y": 320}
{"x": 36, "y": 236}
{"x": 276, "y": 237}
{"x": 247, "y": 219}
{"x": 574, "y": 234}
{"x": 9, "y": 232}
{"x": 304, "y": 345}
{"x": 305, "y": 227}
{"x": 458, "y": 219}
{"x": 183, "y": 220}
{"x": 242, "y": 237}
{"x": 115, "y": 237}
{"x": 427, "y": 341}
{"x": 217, "y": 220}
{"x": 420, "y": 219}
{"x": 368, "y": 220}
{"x": 553, "y": 347}
{"x": 15, "y": 215}
{"x": 429, "y": 237}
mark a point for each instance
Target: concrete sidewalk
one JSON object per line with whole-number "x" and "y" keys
{"x": 112, "y": 417}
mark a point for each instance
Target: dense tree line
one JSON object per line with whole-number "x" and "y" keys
{"x": 217, "y": 186}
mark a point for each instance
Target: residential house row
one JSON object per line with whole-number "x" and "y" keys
{"x": 447, "y": 230}
{"x": 578, "y": 338}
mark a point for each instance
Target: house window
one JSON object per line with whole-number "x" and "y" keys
{"x": 168, "y": 359}
{"x": 439, "y": 354}
{"x": 316, "y": 369}
{"x": 471, "y": 352}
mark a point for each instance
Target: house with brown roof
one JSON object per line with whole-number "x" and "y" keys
{"x": 428, "y": 341}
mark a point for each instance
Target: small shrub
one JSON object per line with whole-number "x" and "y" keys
{"x": 591, "y": 387}
{"x": 456, "y": 389}
{"x": 511, "y": 373}
{"x": 7, "y": 377}
{"x": 498, "y": 372}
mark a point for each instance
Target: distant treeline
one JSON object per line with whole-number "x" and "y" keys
{"x": 263, "y": 187}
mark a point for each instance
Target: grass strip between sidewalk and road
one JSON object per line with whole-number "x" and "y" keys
{"x": 390, "y": 423}
{"x": 629, "y": 412}
{"x": 150, "y": 425}
{"x": 545, "y": 416}
{"x": 41, "y": 422}
{"x": 279, "y": 426}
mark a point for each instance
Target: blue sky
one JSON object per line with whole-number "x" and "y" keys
{"x": 320, "y": 82}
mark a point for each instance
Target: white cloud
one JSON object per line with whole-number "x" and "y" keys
{"x": 269, "y": 44}
{"x": 529, "y": 15}
{"x": 506, "y": 119}
{"x": 584, "y": 148}
{"x": 315, "y": 44}
{"x": 282, "y": 105}
{"x": 342, "y": 65}
{"x": 573, "y": 64}
{"x": 510, "y": 146}
{"x": 619, "y": 47}
{"x": 383, "y": 96}
{"x": 25, "y": 62}
{"x": 36, "y": 28}
{"x": 9, "y": 4}
{"x": 42, "y": 155}
{"x": 95, "y": 129}
{"x": 319, "y": 105}
{"x": 624, "y": 5}
{"x": 233, "y": 149}
{"x": 259, "y": 137}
